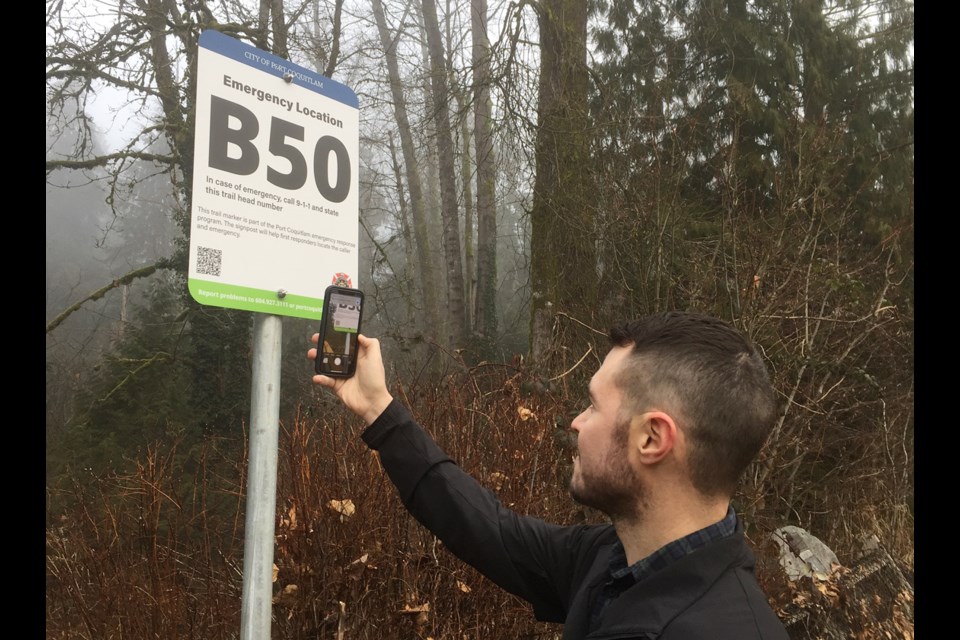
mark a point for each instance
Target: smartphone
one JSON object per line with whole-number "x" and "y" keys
{"x": 339, "y": 328}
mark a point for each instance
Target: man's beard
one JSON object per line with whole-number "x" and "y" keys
{"x": 613, "y": 486}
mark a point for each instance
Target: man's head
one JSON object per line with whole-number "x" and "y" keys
{"x": 672, "y": 377}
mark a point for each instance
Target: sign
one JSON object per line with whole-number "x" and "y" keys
{"x": 275, "y": 206}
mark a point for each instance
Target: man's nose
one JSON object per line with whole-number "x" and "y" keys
{"x": 575, "y": 423}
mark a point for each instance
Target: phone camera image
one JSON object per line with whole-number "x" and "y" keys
{"x": 340, "y": 326}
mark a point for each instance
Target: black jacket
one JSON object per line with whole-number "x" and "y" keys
{"x": 711, "y": 593}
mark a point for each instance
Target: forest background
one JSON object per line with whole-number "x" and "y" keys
{"x": 530, "y": 173}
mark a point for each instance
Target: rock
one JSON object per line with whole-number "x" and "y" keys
{"x": 803, "y": 554}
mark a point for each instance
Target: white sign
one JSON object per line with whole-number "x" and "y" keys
{"x": 275, "y": 206}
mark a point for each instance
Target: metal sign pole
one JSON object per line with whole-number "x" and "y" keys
{"x": 243, "y": 205}
{"x": 255, "y": 612}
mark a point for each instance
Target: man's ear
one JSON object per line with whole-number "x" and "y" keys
{"x": 653, "y": 435}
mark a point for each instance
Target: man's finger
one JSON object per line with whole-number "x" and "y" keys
{"x": 324, "y": 381}
{"x": 368, "y": 343}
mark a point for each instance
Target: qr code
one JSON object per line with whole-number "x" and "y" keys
{"x": 208, "y": 261}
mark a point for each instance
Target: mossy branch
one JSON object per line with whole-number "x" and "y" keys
{"x": 142, "y": 272}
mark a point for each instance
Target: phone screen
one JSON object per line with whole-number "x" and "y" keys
{"x": 337, "y": 349}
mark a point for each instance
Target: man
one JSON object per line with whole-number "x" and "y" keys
{"x": 679, "y": 407}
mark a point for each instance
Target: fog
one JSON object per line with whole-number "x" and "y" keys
{"x": 88, "y": 245}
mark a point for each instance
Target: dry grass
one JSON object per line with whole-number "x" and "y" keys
{"x": 157, "y": 553}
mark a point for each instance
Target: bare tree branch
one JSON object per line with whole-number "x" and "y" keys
{"x": 102, "y": 161}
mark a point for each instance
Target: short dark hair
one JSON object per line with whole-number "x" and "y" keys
{"x": 711, "y": 380}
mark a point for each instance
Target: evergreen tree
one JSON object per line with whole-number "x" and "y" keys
{"x": 757, "y": 163}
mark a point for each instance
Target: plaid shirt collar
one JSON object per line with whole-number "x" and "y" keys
{"x": 670, "y": 552}
{"x": 623, "y": 577}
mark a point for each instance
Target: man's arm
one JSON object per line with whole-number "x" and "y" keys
{"x": 525, "y": 556}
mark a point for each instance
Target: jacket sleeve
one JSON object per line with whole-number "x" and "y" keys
{"x": 539, "y": 562}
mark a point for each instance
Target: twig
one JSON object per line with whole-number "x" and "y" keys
{"x": 579, "y": 322}
{"x": 576, "y": 364}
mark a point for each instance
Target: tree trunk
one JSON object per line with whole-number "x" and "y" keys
{"x": 469, "y": 278}
{"x": 325, "y": 59}
{"x": 448, "y": 186}
{"x": 408, "y": 241}
{"x": 263, "y": 25}
{"x": 279, "y": 29}
{"x": 563, "y": 263}
{"x": 485, "y": 318}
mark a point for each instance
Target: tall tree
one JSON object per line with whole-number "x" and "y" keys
{"x": 563, "y": 259}
{"x": 448, "y": 184}
{"x": 428, "y": 277}
{"x": 485, "y": 316}
{"x": 323, "y": 42}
